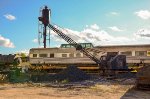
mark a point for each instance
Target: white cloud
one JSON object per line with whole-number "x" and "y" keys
{"x": 94, "y": 26}
{"x": 114, "y": 13}
{"x": 97, "y": 37}
{"x": 35, "y": 40}
{"x": 143, "y": 33}
{"x": 86, "y": 26}
{"x": 10, "y": 17}
{"x": 5, "y": 42}
{"x": 101, "y": 37}
{"x": 143, "y": 14}
{"x": 116, "y": 29}
{"x": 25, "y": 51}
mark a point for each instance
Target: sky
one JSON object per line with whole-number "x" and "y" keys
{"x": 101, "y": 22}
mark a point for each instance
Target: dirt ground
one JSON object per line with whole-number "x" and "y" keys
{"x": 97, "y": 89}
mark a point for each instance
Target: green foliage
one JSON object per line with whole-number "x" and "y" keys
{"x": 23, "y": 55}
{"x": 65, "y": 81}
{"x": 16, "y": 76}
{"x": 15, "y": 64}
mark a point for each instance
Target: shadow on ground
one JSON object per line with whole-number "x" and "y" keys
{"x": 135, "y": 93}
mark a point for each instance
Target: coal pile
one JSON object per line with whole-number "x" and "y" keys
{"x": 72, "y": 74}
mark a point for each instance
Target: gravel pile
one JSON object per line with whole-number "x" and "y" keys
{"x": 72, "y": 74}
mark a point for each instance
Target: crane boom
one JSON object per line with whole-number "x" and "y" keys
{"x": 110, "y": 61}
{"x": 75, "y": 44}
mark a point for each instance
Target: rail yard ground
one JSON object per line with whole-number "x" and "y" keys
{"x": 97, "y": 88}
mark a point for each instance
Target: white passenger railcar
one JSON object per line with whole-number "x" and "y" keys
{"x": 66, "y": 54}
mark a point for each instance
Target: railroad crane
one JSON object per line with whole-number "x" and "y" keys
{"x": 111, "y": 61}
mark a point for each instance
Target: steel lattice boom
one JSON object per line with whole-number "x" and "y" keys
{"x": 74, "y": 44}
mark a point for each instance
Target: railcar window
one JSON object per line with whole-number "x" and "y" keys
{"x": 68, "y": 46}
{"x": 64, "y": 55}
{"x": 34, "y": 55}
{"x": 88, "y": 45}
{"x": 43, "y": 55}
{"x": 71, "y": 55}
{"x": 127, "y": 53}
{"x": 83, "y": 45}
{"x": 72, "y": 46}
{"x": 52, "y": 55}
{"x": 63, "y": 46}
{"x": 140, "y": 53}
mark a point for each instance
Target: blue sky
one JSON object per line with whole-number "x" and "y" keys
{"x": 102, "y": 22}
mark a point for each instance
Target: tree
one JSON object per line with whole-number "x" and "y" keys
{"x": 23, "y": 55}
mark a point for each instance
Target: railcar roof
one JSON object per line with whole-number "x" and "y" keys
{"x": 102, "y": 46}
{"x": 136, "y": 45}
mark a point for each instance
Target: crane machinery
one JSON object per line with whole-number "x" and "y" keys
{"x": 111, "y": 61}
